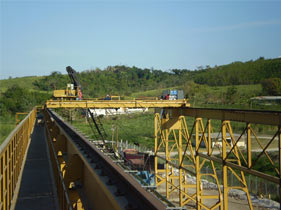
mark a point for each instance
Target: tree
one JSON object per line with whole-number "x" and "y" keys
{"x": 231, "y": 94}
{"x": 17, "y": 99}
{"x": 272, "y": 86}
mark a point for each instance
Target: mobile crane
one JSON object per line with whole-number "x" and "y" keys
{"x": 73, "y": 91}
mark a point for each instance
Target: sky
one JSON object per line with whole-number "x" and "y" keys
{"x": 39, "y": 37}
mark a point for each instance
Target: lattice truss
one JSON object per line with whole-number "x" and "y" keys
{"x": 185, "y": 149}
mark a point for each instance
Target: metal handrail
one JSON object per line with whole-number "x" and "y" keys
{"x": 12, "y": 159}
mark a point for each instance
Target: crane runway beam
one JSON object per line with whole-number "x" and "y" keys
{"x": 249, "y": 116}
{"x": 115, "y": 104}
{"x": 88, "y": 178}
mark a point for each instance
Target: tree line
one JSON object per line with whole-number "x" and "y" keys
{"x": 18, "y": 99}
{"x": 239, "y": 73}
{"x": 124, "y": 80}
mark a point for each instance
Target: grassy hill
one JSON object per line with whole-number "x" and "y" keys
{"x": 24, "y": 82}
{"x": 126, "y": 81}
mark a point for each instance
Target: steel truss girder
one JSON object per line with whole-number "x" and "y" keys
{"x": 169, "y": 123}
{"x": 173, "y": 122}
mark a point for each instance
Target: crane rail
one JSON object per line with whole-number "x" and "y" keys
{"x": 128, "y": 188}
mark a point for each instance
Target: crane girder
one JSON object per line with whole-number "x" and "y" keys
{"x": 106, "y": 104}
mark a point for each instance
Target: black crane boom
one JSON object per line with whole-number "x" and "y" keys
{"x": 72, "y": 75}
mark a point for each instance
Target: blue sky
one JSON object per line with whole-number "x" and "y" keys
{"x": 38, "y": 37}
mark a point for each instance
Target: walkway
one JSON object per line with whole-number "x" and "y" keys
{"x": 37, "y": 187}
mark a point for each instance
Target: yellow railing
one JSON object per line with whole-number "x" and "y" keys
{"x": 58, "y": 166}
{"x": 12, "y": 158}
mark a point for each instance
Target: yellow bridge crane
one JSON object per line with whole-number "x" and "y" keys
{"x": 79, "y": 175}
{"x": 174, "y": 140}
{"x": 174, "y": 136}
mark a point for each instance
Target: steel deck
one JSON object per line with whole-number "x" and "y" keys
{"x": 37, "y": 184}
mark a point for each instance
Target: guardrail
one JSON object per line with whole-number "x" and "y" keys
{"x": 12, "y": 158}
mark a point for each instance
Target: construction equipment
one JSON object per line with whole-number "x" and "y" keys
{"x": 73, "y": 91}
{"x": 172, "y": 94}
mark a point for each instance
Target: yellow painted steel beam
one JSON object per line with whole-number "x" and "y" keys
{"x": 197, "y": 166}
{"x": 248, "y": 116}
{"x": 249, "y": 146}
{"x": 84, "y": 178}
{"x": 234, "y": 166}
{"x": 114, "y": 104}
{"x": 242, "y": 168}
{"x": 77, "y": 169}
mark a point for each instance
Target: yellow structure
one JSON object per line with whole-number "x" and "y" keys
{"x": 86, "y": 178}
{"x": 73, "y": 90}
{"x": 180, "y": 132}
{"x": 18, "y": 114}
{"x": 12, "y": 159}
{"x": 178, "y": 143}
{"x": 68, "y": 93}
{"x": 106, "y": 104}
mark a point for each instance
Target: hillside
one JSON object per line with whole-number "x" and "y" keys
{"x": 239, "y": 73}
{"x": 228, "y": 86}
{"x": 123, "y": 80}
{"x": 24, "y": 82}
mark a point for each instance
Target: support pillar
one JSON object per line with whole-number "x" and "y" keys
{"x": 197, "y": 165}
{"x": 181, "y": 175}
{"x": 249, "y": 146}
{"x": 224, "y": 167}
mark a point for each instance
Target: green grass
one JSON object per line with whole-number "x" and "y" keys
{"x": 242, "y": 89}
{"x": 152, "y": 93}
{"x": 132, "y": 128}
{"x": 24, "y": 82}
{"x": 7, "y": 124}
{"x": 5, "y": 130}
{"x": 211, "y": 96}
{"x": 217, "y": 95}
